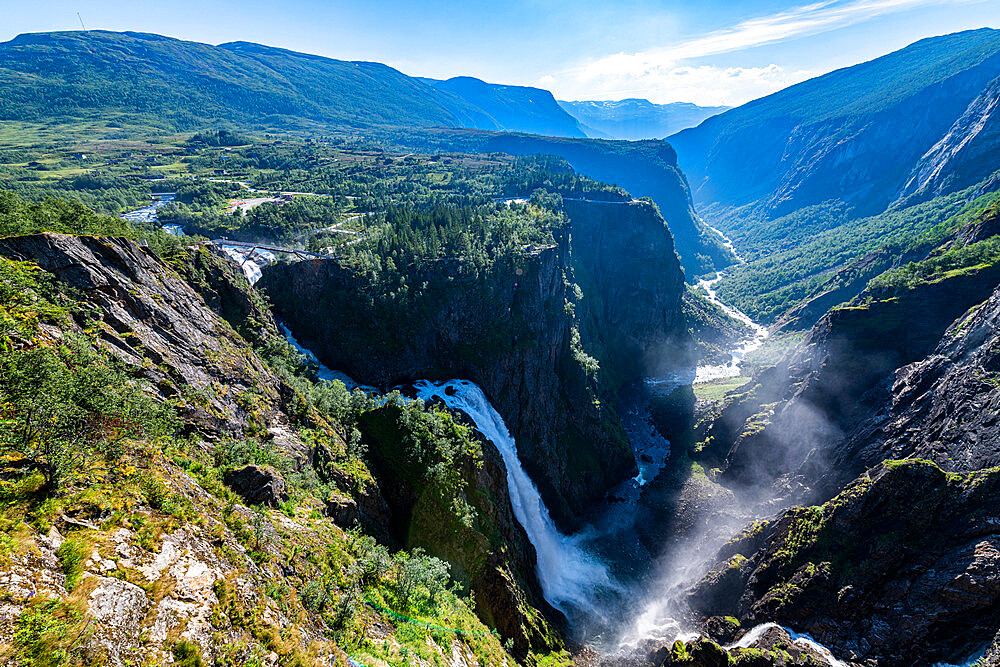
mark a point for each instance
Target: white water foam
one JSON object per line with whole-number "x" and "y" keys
{"x": 751, "y": 638}
{"x": 251, "y": 260}
{"x": 737, "y": 354}
{"x": 570, "y": 576}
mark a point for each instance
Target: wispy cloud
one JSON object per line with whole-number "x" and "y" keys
{"x": 661, "y": 73}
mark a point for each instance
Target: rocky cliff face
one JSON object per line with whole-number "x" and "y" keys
{"x": 966, "y": 152}
{"x": 511, "y": 331}
{"x": 943, "y": 407}
{"x": 488, "y": 549}
{"x": 644, "y": 168}
{"x": 154, "y": 321}
{"x": 901, "y": 568}
{"x": 804, "y": 411}
{"x": 623, "y": 259}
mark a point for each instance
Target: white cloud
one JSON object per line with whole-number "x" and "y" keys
{"x": 705, "y": 85}
{"x": 661, "y": 75}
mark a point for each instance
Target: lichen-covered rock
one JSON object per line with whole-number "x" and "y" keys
{"x": 118, "y": 608}
{"x": 343, "y": 510}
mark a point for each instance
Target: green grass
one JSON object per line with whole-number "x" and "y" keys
{"x": 716, "y": 390}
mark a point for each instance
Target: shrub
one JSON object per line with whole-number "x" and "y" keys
{"x": 49, "y": 633}
{"x": 71, "y": 554}
{"x": 69, "y": 412}
{"x": 236, "y": 453}
{"x": 421, "y": 578}
{"x": 187, "y": 654}
{"x": 314, "y": 596}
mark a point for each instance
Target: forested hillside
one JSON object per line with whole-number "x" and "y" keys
{"x": 170, "y": 84}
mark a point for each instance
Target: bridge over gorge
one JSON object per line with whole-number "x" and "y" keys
{"x": 250, "y": 247}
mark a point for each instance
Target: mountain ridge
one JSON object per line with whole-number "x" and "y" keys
{"x": 838, "y": 136}
{"x": 181, "y": 84}
{"x": 635, "y": 119}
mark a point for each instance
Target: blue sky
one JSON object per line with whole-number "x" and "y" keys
{"x": 703, "y": 51}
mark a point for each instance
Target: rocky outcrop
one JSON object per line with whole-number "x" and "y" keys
{"x": 765, "y": 646}
{"x": 801, "y": 413}
{"x": 257, "y": 485}
{"x": 224, "y": 287}
{"x": 943, "y": 407}
{"x": 511, "y": 330}
{"x": 152, "y": 320}
{"x": 901, "y": 568}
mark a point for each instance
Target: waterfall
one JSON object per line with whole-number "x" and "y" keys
{"x": 569, "y": 575}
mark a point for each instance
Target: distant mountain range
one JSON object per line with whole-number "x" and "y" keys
{"x": 176, "y": 84}
{"x": 909, "y": 125}
{"x": 636, "y": 119}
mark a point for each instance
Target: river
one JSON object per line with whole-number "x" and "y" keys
{"x": 732, "y": 368}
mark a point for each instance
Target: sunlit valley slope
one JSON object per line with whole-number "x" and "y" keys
{"x": 311, "y": 362}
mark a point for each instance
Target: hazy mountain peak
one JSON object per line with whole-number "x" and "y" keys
{"x": 636, "y": 118}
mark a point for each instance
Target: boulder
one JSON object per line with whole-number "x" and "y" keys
{"x": 257, "y": 485}
{"x": 343, "y": 510}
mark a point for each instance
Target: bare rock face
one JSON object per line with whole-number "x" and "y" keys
{"x": 965, "y": 153}
{"x": 901, "y": 568}
{"x": 117, "y": 607}
{"x": 258, "y": 485}
{"x": 945, "y": 406}
{"x": 623, "y": 258}
{"x": 151, "y": 319}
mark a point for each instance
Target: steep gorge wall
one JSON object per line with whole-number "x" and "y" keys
{"x": 622, "y": 259}
{"x": 512, "y": 331}
{"x": 810, "y": 415}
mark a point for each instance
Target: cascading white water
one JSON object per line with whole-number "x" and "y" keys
{"x": 737, "y": 354}
{"x": 322, "y": 372}
{"x": 751, "y": 638}
{"x": 570, "y": 576}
